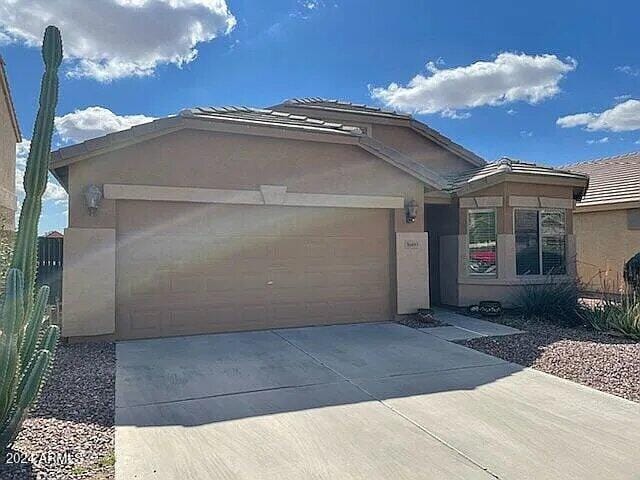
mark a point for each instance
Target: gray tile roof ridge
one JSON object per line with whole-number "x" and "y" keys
{"x": 275, "y": 114}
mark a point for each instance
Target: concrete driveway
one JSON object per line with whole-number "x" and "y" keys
{"x": 366, "y": 401}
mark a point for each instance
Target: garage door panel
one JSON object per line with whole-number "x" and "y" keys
{"x": 185, "y": 268}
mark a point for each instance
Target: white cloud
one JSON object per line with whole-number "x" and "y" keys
{"x": 509, "y": 78}
{"x": 511, "y": 111}
{"x": 111, "y": 39}
{"x": 629, "y": 70}
{"x": 624, "y": 117}
{"x": 600, "y": 140}
{"x": 526, "y": 133}
{"x": 93, "y": 122}
{"x": 620, "y": 98}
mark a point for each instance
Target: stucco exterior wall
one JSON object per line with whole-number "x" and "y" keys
{"x": 420, "y": 148}
{"x": 7, "y": 162}
{"x": 212, "y": 160}
{"x": 604, "y": 242}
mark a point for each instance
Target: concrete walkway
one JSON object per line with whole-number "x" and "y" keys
{"x": 463, "y": 327}
{"x": 367, "y": 401}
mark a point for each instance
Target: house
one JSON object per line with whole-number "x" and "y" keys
{"x": 53, "y": 234}
{"x": 607, "y": 220}
{"x": 310, "y": 212}
{"x": 9, "y": 137}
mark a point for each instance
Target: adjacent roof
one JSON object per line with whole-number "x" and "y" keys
{"x": 511, "y": 167}
{"x": 612, "y": 180}
{"x": 373, "y": 113}
{"x": 6, "y": 93}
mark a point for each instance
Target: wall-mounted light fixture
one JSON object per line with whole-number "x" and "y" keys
{"x": 412, "y": 211}
{"x": 93, "y": 198}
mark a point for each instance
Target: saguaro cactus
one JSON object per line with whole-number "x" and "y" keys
{"x": 27, "y": 340}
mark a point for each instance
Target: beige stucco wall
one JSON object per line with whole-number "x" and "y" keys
{"x": 412, "y": 264}
{"x": 7, "y": 162}
{"x": 420, "y": 148}
{"x": 88, "y": 283}
{"x": 470, "y": 289}
{"x": 604, "y": 243}
{"x": 213, "y": 160}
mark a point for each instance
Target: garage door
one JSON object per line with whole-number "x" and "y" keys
{"x": 199, "y": 268}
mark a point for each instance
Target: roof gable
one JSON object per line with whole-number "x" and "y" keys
{"x": 244, "y": 120}
{"x": 377, "y": 114}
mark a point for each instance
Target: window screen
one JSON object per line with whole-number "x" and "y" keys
{"x": 482, "y": 242}
{"x": 527, "y": 242}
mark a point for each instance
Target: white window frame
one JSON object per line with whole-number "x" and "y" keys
{"x": 539, "y": 212}
{"x": 468, "y": 253}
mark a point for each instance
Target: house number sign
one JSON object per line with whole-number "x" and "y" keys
{"x": 411, "y": 244}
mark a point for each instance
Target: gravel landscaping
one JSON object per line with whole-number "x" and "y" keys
{"x": 417, "y": 321}
{"x": 70, "y": 434}
{"x": 608, "y": 363}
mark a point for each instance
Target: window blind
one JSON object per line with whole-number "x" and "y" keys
{"x": 482, "y": 242}
{"x": 527, "y": 242}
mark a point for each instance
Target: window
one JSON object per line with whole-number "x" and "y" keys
{"x": 540, "y": 242}
{"x": 482, "y": 242}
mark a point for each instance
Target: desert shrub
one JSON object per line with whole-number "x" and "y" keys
{"x": 617, "y": 316}
{"x": 552, "y": 301}
{"x": 632, "y": 273}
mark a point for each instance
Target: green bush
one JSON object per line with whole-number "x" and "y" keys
{"x": 553, "y": 301}
{"x": 617, "y": 316}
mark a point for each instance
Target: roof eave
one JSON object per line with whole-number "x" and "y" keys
{"x": 579, "y": 183}
{"x": 12, "y": 112}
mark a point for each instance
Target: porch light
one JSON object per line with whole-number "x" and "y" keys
{"x": 412, "y": 211}
{"x": 93, "y": 198}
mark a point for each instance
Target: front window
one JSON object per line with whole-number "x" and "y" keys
{"x": 540, "y": 242}
{"x": 482, "y": 242}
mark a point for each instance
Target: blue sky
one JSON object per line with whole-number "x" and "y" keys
{"x": 578, "y": 61}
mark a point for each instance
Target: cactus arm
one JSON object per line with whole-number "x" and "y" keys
{"x": 28, "y": 395}
{"x": 34, "y": 326}
{"x": 35, "y": 178}
{"x": 10, "y": 321}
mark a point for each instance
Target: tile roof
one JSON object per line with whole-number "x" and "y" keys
{"x": 344, "y": 106}
{"x": 507, "y": 166}
{"x": 267, "y": 117}
{"x": 611, "y": 179}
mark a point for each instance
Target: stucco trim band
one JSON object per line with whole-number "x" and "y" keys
{"x": 267, "y": 195}
{"x": 481, "y": 202}
{"x": 545, "y": 202}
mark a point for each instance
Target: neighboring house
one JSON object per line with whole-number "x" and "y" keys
{"x": 607, "y": 220}
{"x": 9, "y": 137}
{"x": 53, "y": 234}
{"x": 311, "y": 212}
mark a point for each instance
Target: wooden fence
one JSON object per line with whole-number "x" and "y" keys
{"x": 50, "y": 262}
